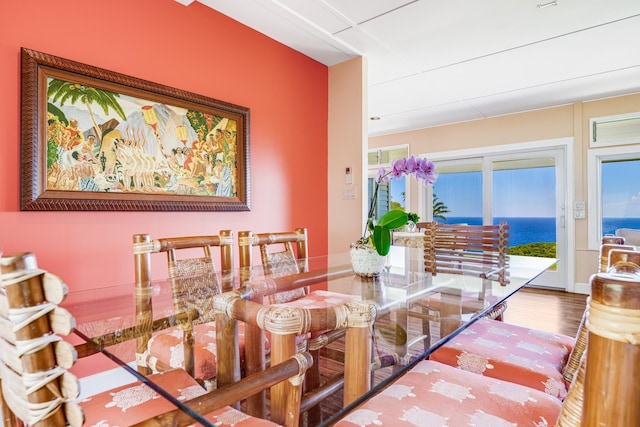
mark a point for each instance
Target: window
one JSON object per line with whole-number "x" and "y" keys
{"x": 391, "y": 195}
{"x": 457, "y": 194}
{"x": 615, "y": 130}
{"x": 614, "y": 191}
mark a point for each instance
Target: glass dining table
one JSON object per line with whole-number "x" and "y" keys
{"x": 415, "y": 313}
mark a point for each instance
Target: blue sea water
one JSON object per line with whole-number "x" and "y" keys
{"x": 536, "y": 229}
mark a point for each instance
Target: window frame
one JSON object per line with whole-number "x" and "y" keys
{"x": 372, "y": 172}
{"x": 594, "y": 184}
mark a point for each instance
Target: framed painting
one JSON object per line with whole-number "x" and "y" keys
{"x": 96, "y": 140}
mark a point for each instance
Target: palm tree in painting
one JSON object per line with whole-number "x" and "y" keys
{"x": 439, "y": 209}
{"x": 62, "y": 91}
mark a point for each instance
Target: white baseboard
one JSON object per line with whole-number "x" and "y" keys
{"x": 581, "y": 288}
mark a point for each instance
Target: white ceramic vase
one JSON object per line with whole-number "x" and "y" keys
{"x": 365, "y": 260}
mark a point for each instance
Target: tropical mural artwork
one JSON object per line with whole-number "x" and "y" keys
{"x": 101, "y": 141}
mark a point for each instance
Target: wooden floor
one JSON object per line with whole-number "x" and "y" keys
{"x": 553, "y": 311}
{"x": 548, "y": 310}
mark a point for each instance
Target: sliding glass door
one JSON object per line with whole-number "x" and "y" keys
{"x": 526, "y": 189}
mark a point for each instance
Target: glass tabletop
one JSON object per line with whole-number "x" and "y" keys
{"x": 415, "y": 311}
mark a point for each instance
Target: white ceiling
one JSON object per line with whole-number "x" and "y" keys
{"x": 433, "y": 62}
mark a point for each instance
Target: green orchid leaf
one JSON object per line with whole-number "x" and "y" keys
{"x": 382, "y": 239}
{"x": 393, "y": 219}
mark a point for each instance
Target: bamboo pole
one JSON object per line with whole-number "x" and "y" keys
{"x": 612, "y": 389}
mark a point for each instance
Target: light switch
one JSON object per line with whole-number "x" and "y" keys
{"x": 349, "y": 192}
{"x": 579, "y": 210}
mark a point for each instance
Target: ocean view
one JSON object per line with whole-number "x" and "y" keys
{"x": 539, "y": 229}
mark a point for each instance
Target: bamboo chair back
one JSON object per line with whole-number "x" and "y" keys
{"x": 624, "y": 261}
{"x": 605, "y": 390}
{"x": 281, "y": 253}
{"x": 194, "y": 283}
{"x": 611, "y": 238}
{"x": 37, "y": 388}
{"x": 278, "y": 257}
{"x": 605, "y": 248}
{"x": 480, "y": 250}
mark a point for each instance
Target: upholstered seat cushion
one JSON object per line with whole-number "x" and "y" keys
{"x": 166, "y": 347}
{"x": 434, "y": 394}
{"x": 320, "y": 299}
{"x": 136, "y": 402}
{"x": 512, "y": 353}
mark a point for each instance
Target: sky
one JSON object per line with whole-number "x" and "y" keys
{"x": 531, "y": 192}
{"x": 621, "y": 189}
{"x": 517, "y": 193}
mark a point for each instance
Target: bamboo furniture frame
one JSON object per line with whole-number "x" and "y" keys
{"x": 605, "y": 248}
{"x": 292, "y": 261}
{"x": 290, "y": 372}
{"x": 193, "y": 281}
{"x": 27, "y": 288}
{"x": 286, "y": 323}
{"x": 37, "y": 389}
{"x": 476, "y": 250}
{"x": 480, "y": 250}
{"x": 611, "y": 388}
{"x": 283, "y": 253}
{"x": 606, "y": 390}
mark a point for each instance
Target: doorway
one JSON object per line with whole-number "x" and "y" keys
{"x": 524, "y": 187}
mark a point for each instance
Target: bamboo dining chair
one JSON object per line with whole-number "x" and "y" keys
{"x": 286, "y": 323}
{"x": 194, "y": 281}
{"x": 605, "y": 391}
{"x": 37, "y": 388}
{"x": 39, "y": 391}
{"x": 468, "y": 250}
{"x": 527, "y": 356}
{"x": 283, "y": 254}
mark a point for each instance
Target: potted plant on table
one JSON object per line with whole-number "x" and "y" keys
{"x": 413, "y": 219}
{"x": 369, "y": 252}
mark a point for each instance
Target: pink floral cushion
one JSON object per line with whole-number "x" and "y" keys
{"x": 320, "y": 299}
{"x": 136, "y": 402}
{"x": 512, "y": 353}
{"x": 166, "y": 347}
{"x": 433, "y": 394}
{"x": 230, "y": 417}
{"x": 133, "y": 403}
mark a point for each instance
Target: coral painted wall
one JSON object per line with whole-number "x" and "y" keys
{"x": 192, "y": 48}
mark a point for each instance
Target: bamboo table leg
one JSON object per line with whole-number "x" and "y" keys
{"x": 358, "y": 351}
{"x": 282, "y": 348}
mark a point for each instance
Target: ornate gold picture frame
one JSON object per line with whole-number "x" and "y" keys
{"x": 97, "y": 140}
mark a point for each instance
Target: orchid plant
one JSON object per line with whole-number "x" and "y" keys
{"x": 378, "y": 234}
